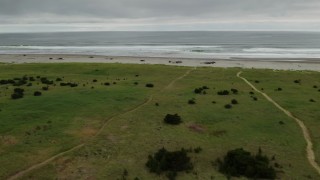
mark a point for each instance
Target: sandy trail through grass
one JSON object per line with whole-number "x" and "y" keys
{"x": 147, "y": 101}
{"x": 309, "y": 149}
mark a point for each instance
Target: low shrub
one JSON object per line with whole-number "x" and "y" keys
{"x": 223, "y": 93}
{"x": 234, "y": 91}
{"x": 200, "y": 90}
{"x": 297, "y": 81}
{"x": 228, "y": 106}
{"x": 239, "y": 162}
{"x": 149, "y": 85}
{"x": 192, "y": 101}
{"x": 18, "y": 93}
{"x": 46, "y": 88}
{"x": 16, "y": 96}
{"x": 173, "y": 119}
{"x": 312, "y": 100}
{"x": 44, "y": 80}
{"x": 169, "y": 162}
{"x": 37, "y": 93}
{"x": 197, "y": 150}
{"x": 234, "y": 101}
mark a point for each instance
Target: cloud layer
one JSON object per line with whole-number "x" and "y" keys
{"x": 206, "y": 14}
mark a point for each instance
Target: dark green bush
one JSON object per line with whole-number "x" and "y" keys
{"x": 31, "y": 78}
{"x": 197, "y": 150}
{"x": 149, "y": 85}
{"x": 228, "y": 106}
{"x": 192, "y": 101}
{"x": 234, "y": 101}
{"x": 223, "y": 92}
{"x": 169, "y": 162}
{"x": 16, "y": 96}
{"x": 44, "y": 80}
{"x": 69, "y": 84}
{"x": 234, "y": 91}
{"x": 37, "y": 93}
{"x": 239, "y": 162}
{"x": 298, "y": 81}
{"x": 107, "y": 84}
{"x": 18, "y": 90}
{"x": 198, "y": 90}
{"x": 45, "y": 88}
{"x": 172, "y": 119}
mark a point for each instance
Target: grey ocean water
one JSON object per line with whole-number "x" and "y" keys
{"x": 167, "y": 44}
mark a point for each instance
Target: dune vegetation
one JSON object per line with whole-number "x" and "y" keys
{"x": 120, "y": 121}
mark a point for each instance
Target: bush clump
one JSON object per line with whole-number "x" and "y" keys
{"x": 239, "y": 162}
{"x": 169, "y": 162}
{"x": 18, "y": 93}
{"x": 149, "y": 85}
{"x": 69, "y": 84}
{"x": 228, "y": 106}
{"x": 37, "y": 93}
{"x": 234, "y": 91}
{"x": 44, "y": 80}
{"x": 234, "y": 101}
{"x": 297, "y": 81}
{"x": 201, "y": 90}
{"x": 312, "y": 100}
{"x": 223, "y": 93}
{"x": 173, "y": 119}
{"x": 192, "y": 101}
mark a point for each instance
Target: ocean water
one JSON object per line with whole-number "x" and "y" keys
{"x": 167, "y": 44}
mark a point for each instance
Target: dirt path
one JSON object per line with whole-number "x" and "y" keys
{"x": 181, "y": 77}
{"x": 36, "y": 166}
{"x": 309, "y": 149}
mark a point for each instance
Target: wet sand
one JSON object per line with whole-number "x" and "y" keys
{"x": 277, "y": 64}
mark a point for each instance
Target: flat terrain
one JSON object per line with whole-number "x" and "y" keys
{"x": 116, "y": 126}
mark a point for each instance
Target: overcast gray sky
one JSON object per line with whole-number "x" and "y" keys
{"x": 81, "y": 15}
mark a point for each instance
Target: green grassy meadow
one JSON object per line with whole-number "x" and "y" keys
{"x": 33, "y": 129}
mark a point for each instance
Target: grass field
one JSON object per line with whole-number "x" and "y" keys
{"x": 33, "y": 129}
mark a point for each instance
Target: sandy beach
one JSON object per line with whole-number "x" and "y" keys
{"x": 276, "y": 64}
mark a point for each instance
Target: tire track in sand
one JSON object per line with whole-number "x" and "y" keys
{"x": 306, "y": 134}
{"x": 43, "y": 163}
